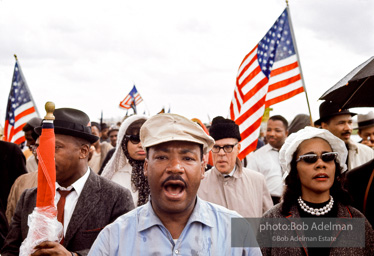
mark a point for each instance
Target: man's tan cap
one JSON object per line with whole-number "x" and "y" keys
{"x": 172, "y": 127}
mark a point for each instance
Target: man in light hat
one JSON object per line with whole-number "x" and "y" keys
{"x": 228, "y": 183}
{"x": 366, "y": 128}
{"x": 339, "y": 122}
{"x": 86, "y": 202}
{"x": 175, "y": 221}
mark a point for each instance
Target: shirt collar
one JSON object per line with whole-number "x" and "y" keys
{"x": 148, "y": 218}
{"x": 231, "y": 173}
{"x": 78, "y": 184}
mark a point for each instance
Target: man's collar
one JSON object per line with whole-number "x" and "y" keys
{"x": 78, "y": 184}
{"x": 148, "y": 218}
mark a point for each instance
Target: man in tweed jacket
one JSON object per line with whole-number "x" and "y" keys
{"x": 93, "y": 203}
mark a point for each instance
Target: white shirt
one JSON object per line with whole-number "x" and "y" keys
{"x": 72, "y": 198}
{"x": 266, "y": 161}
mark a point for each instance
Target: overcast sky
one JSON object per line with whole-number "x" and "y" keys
{"x": 182, "y": 54}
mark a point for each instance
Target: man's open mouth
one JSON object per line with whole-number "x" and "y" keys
{"x": 174, "y": 188}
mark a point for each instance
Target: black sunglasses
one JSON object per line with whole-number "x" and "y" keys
{"x": 312, "y": 158}
{"x": 135, "y": 139}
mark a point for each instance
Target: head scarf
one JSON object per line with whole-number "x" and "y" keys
{"x": 121, "y": 157}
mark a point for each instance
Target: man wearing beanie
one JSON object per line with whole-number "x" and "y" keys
{"x": 228, "y": 183}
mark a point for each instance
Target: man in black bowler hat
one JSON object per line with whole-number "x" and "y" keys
{"x": 92, "y": 203}
{"x": 339, "y": 122}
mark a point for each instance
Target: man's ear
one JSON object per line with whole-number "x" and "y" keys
{"x": 239, "y": 146}
{"x": 203, "y": 164}
{"x": 84, "y": 151}
{"x": 145, "y": 169}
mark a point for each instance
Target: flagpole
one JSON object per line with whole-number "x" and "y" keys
{"x": 298, "y": 60}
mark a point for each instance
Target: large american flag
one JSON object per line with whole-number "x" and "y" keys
{"x": 131, "y": 100}
{"x": 269, "y": 74}
{"x": 20, "y": 109}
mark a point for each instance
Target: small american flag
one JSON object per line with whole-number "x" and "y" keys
{"x": 131, "y": 100}
{"x": 269, "y": 74}
{"x": 20, "y": 109}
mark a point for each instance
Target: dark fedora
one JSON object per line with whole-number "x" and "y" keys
{"x": 72, "y": 122}
{"x": 329, "y": 109}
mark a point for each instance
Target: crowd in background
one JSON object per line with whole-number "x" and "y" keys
{"x": 299, "y": 169}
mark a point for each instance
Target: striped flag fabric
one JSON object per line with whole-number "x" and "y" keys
{"x": 20, "y": 109}
{"x": 268, "y": 74}
{"x": 131, "y": 100}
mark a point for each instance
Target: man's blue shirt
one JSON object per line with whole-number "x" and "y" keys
{"x": 141, "y": 232}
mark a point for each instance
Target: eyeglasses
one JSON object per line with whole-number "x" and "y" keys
{"x": 135, "y": 139}
{"x": 312, "y": 158}
{"x": 226, "y": 148}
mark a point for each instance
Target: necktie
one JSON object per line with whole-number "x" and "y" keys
{"x": 61, "y": 207}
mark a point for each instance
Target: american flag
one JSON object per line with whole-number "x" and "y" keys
{"x": 20, "y": 109}
{"x": 269, "y": 74}
{"x": 131, "y": 100}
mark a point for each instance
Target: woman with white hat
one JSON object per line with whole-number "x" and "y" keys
{"x": 312, "y": 160}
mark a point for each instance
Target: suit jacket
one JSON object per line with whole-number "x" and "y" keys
{"x": 356, "y": 181}
{"x": 99, "y": 204}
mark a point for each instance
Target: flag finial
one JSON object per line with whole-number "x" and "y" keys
{"x": 15, "y": 56}
{"x": 287, "y": 2}
{"x": 49, "y": 108}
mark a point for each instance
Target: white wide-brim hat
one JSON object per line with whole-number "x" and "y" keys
{"x": 293, "y": 141}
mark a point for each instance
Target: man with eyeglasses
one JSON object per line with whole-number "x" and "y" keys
{"x": 228, "y": 183}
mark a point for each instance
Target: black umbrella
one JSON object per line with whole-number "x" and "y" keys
{"x": 356, "y": 89}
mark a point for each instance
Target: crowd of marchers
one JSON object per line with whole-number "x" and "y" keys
{"x": 168, "y": 185}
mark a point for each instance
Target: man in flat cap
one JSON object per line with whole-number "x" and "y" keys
{"x": 339, "y": 122}
{"x": 86, "y": 202}
{"x": 175, "y": 221}
{"x": 228, "y": 183}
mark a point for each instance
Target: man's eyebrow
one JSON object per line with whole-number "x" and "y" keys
{"x": 186, "y": 150}
{"x": 165, "y": 150}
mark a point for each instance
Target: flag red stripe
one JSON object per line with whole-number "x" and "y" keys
{"x": 232, "y": 113}
{"x": 251, "y": 75}
{"x": 284, "y": 83}
{"x": 19, "y": 128}
{"x": 255, "y": 89}
{"x": 249, "y": 64}
{"x": 284, "y": 97}
{"x": 241, "y": 119}
{"x": 283, "y": 69}
{"x": 247, "y": 150}
{"x": 24, "y": 113}
{"x": 247, "y": 132}
{"x": 19, "y": 140}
